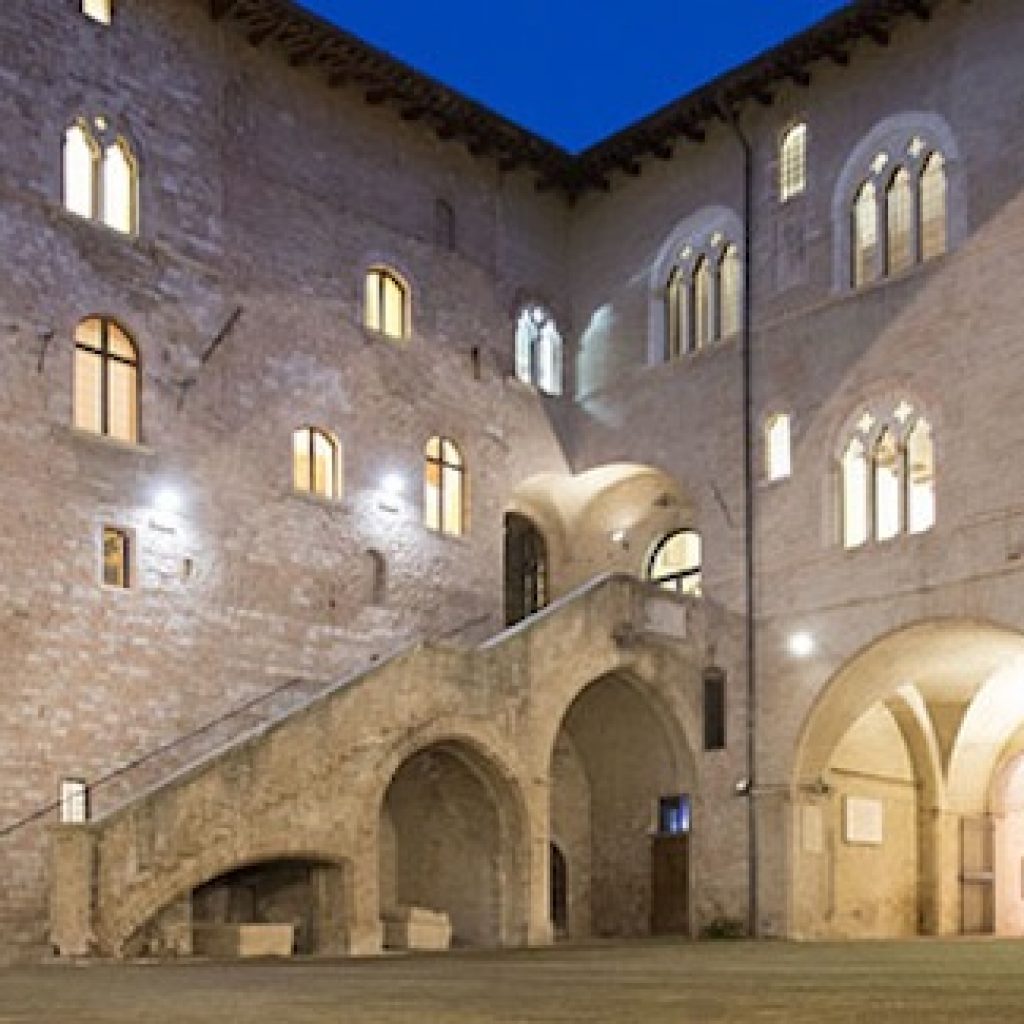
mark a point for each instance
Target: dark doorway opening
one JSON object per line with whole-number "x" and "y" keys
{"x": 559, "y": 891}
{"x": 526, "y": 568}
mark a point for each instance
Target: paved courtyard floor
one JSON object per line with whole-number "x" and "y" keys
{"x": 651, "y": 983}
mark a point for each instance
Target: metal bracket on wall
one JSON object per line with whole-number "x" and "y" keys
{"x": 45, "y": 337}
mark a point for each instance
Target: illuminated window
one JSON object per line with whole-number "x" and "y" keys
{"x": 539, "y": 350}
{"x": 855, "y": 494}
{"x": 118, "y": 188}
{"x": 920, "y": 479}
{"x": 81, "y": 172}
{"x": 674, "y": 815}
{"x": 865, "y": 235}
{"x": 730, "y": 291}
{"x": 933, "y": 207}
{"x": 74, "y": 801}
{"x": 443, "y": 485}
{"x": 100, "y": 181}
{"x": 675, "y": 563}
{"x": 898, "y": 215}
{"x": 387, "y": 303}
{"x": 793, "y": 162}
{"x": 675, "y": 314}
{"x": 777, "y": 455}
{"x": 700, "y": 305}
{"x": 98, "y": 10}
{"x": 703, "y": 296}
{"x": 316, "y": 464}
{"x": 886, "y": 460}
{"x": 116, "y": 557}
{"x": 106, "y": 380}
{"x": 887, "y": 474}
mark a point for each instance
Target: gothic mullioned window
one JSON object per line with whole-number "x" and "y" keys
{"x": 100, "y": 176}
{"x": 899, "y": 211}
{"x": 793, "y": 162}
{"x": 887, "y": 476}
{"x": 539, "y": 349}
{"x": 106, "y": 380}
{"x": 703, "y": 296}
{"x": 444, "y": 487}
{"x": 316, "y": 463}
{"x": 676, "y": 562}
{"x": 386, "y": 307}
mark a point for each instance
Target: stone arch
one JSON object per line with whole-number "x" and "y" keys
{"x": 141, "y": 918}
{"x": 909, "y": 730}
{"x": 892, "y": 131}
{"x": 616, "y": 751}
{"x": 467, "y": 855}
{"x": 692, "y": 230}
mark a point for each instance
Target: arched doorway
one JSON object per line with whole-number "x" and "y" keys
{"x": 617, "y": 762}
{"x": 450, "y": 853}
{"x": 526, "y": 568}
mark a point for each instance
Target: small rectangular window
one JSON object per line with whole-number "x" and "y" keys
{"x": 777, "y": 453}
{"x": 98, "y": 10}
{"x": 74, "y": 801}
{"x": 714, "y": 709}
{"x": 116, "y": 557}
{"x": 674, "y": 815}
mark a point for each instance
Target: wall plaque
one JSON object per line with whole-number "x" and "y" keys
{"x": 863, "y": 821}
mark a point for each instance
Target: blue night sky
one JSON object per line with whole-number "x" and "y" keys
{"x": 574, "y": 72}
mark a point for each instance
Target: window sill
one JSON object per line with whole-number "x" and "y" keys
{"x": 77, "y": 434}
{"x": 96, "y": 228}
{"x": 915, "y": 269}
{"x": 890, "y": 543}
{"x": 318, "y": 501}
{"x": 371, "y": 335}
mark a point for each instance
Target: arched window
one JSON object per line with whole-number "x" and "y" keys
{"x": 81, "y": 171}
{"x": 118, "y": 188}
{"x": 793, "y": 162}
{"x": 98, "y": 10}
{"x": 675, "y": 563}
{"x": 777, "y": 455}
{"x": 703, "y": 294}
{"x": 675, "y": 314}
{"x": 443, "y": 486}
{"x": 387, "y": 303}
{"x": 893, "y": 197}
{"x": 539, "y": 349}
{"x": 106, "y": 380}
{"x": 887, "y": 474}
{"x": 855, "y": 494}
{"x": 933, "y": 207}
{"x": 899, "y": 201}
{"x": 700, "y": 305}
{"x": 316, "y": 463}
{"x": 100, "y": 181}
{"x": 729, "y": 291}
{"x": 865, "y": 235}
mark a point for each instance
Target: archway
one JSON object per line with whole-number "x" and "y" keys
{"x": 893, "y": 830}
{"x": 291, "y": 904}
{"x": 451, "y": 870}
{"x": 526, "y": 568}
{"x": 617, "y": 762}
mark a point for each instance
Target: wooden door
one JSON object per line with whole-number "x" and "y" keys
{"x": 526, "y": 569}
{"x": 670, "y": 885}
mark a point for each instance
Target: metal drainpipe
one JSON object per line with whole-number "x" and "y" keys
{"x": 731, "y": 118}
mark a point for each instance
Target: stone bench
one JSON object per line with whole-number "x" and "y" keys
{"x": 243, "y": 940}
{"x": 417, "y": 928}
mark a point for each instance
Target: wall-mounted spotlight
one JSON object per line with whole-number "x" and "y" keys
{"x": 801, "y": 644}
{"x": 167, "y": 501}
